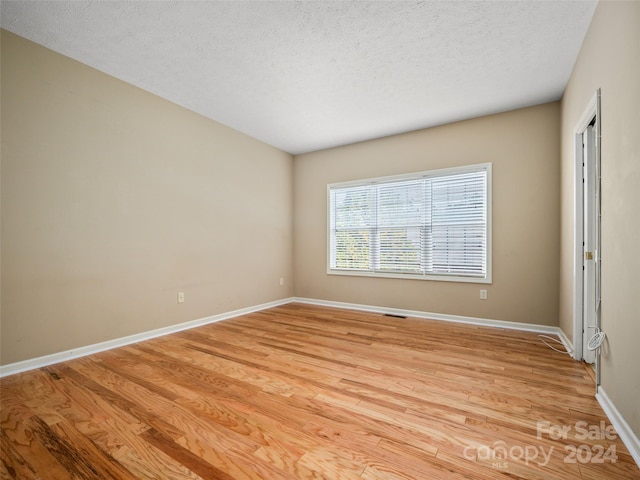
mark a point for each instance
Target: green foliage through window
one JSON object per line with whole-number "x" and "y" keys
{"x": 431, "y": 223}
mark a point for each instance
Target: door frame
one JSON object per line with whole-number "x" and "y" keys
{"x": 592, "y": 110}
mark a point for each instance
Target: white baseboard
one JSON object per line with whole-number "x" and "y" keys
{"x": 18, "y": 367}
{"x": 58, "y": 357}
{"x": 627, "y": 435}
{"x": 568, "y": 344}
{"x": 485, "y": 322}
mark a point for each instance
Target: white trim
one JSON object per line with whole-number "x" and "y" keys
{"x": 577, "y": 247}
{"x": 591, "y": 111}
{"x": 407, "y": 276}
{"x": 485, "y": 322}
{"x": 568, "y": 345}
{"x": 412, "y": 176}
{"x": 487, "y": 167}
{"x": 588, "y": 114}
{"x": 627, "y": 435}
{"x": 38, "y": 362}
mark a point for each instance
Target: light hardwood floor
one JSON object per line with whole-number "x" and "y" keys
{"x": 305, "y": 392}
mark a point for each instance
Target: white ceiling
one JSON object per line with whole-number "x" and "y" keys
{"x": 308, "y": 75}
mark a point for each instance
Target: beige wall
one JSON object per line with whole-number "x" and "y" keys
{"x": 610, "y": 60}
{"x": 524, "y": 147}
{"x": 113, "y": 200}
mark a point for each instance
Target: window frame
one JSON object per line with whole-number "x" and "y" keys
{"x": 487, "y": 279}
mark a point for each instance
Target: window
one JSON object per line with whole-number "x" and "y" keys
{"x": 432, "y": 225}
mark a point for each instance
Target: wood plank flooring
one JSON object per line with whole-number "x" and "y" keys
{"x": 305, "y": 392}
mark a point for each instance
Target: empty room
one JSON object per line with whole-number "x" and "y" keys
{"x": 320, "y": 240}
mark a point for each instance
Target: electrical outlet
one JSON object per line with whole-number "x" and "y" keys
{"x": 483, "y": 294}
{"x": 281, "y": 281}
{"x": 180, "y": 297}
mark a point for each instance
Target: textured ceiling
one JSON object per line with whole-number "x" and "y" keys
{"x": 303, "y": 76}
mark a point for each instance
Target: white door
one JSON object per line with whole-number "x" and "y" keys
{"x": 591, "y": 204}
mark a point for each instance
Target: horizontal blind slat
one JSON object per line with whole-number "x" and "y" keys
{"x": 432, "y": 224}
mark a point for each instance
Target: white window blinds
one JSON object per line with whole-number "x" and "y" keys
{"x": 427, "y": 225}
